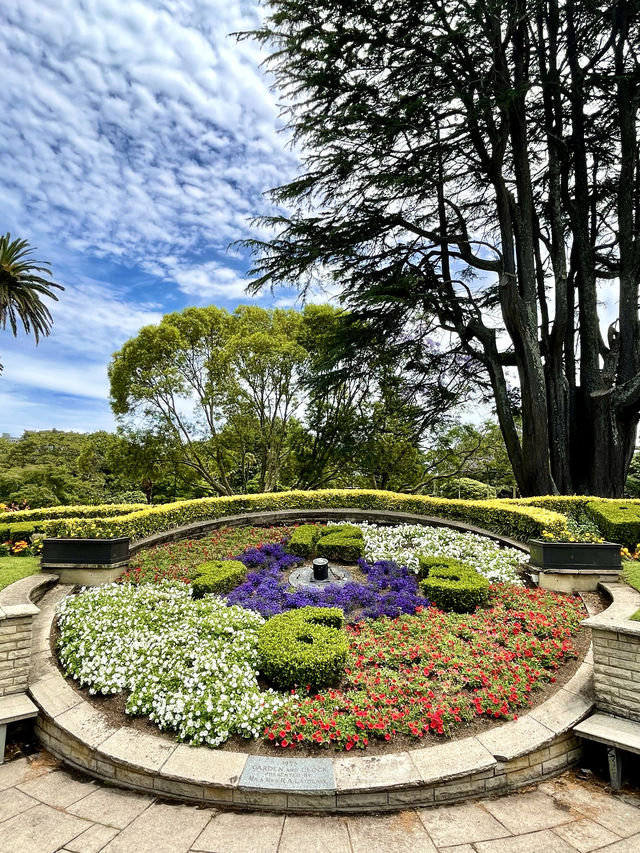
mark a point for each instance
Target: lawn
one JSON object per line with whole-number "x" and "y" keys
{"x": 15, "y": 568}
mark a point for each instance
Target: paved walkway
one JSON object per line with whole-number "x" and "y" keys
{"x": 46, "y": 809}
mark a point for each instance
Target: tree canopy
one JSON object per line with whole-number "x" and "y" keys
{"x": 471, "y": 168}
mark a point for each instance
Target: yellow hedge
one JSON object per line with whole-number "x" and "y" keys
{"x": 499, "y": 516}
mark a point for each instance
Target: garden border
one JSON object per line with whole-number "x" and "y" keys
{"x": 198, "y": 529}
{"x": 539, "y": 745}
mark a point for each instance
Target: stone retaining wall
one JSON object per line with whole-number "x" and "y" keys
{"x": 16, "y": 616}
{"x": 616, "y": 654}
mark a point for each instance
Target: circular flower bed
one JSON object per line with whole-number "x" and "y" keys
{"x": 193, "y": 666}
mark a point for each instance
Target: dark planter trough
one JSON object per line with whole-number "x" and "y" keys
{"x": 85, "y": 552}
{"x": 575, "y": 556}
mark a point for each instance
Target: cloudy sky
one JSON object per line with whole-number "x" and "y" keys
{"x": 136, "y": 140}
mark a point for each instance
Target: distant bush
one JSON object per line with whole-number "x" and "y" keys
{"x": 465, "y": 488}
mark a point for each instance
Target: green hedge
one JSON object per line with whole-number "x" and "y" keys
{"x": 344, "y": 544}
{"x": 520, "y": 522}
{"x": 618, "y": 521}
{"x": 303, "y": 540}
{"x": 452, "y": 585}
{"x": 21, "y": 530}
{"x": 52, "y": 512}
{"x": 218, "y": 577}
{"x": 304, "y": 648}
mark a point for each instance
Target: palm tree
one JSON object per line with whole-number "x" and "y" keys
{"x": 22, "y": 289}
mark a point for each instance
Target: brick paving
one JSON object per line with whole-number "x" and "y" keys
{"x": 47, "y": 809}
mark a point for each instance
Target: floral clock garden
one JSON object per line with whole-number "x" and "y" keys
{"x": 427, "y": 631}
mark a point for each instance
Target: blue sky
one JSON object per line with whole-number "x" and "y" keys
{"x": 136, "y": 140}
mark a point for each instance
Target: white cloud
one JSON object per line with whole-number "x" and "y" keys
{"x": 135, "y": 129}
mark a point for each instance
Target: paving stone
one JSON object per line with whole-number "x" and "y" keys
{"x": 459, "y": 848}
{"x": 620, "y": 817}
{"x": 463, "y": 824}
{"x": 627, "y": 845}
{"x": 402, "y": 832}
{"x": 111, "y": 806}
{"x": 535, "y": 842}
{"x": 375, "y": 771}
{"x": 586, "y": 835}
{"x": 92, "y": 840}
{"x": 241, "y": 833}
{"x": 517, "y": 738}
{"x": 13, "y": 772}
{"x": 162, "y": 828}
{"x": 41, "y": 829}
{"x": 204, "y": 765}
{"x": 58, "y": 788}
{"x": 137, "y": 749}
{"x": 449, "y": 760}
{"x": 530, "y": 811}
{"x": 307, "y": 834}
{"x": 54, "y": 694}
{"x": 14, "y": 802}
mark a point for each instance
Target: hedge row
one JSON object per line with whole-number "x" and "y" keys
{"x": 618, "y": 521}
{"x": 48, "y": 513}
{"x": 502, "y": 517}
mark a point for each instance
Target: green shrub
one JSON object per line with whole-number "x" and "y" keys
{"x": 55, "y": 512}
{"x": 20, "y": 531}
{"x": 452, "y": 585}
{"x": 303, "y": 540}
{"x": 522, "y": 522}
{"x": 218, "y": 577}
{"x": 305, "y": 647}
{"x": 467, "y": 489}
{"x": 618, "y": 521}
{"x": 345, "y": 547}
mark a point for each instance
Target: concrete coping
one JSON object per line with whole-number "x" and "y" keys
{"x": 17, "y": 599}
{"x": 201, "y": 528}
{"x": 624, "y": 602}
{"x": 275, "y": 782}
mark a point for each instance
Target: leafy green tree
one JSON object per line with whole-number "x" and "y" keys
{"x": 474, "y": 166}
{"x": 22, "y": 289}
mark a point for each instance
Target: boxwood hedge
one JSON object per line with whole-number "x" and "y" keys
{"x": 218, "y": 577}
{"x": 303, "y": 648}
{"x": 452, "y": 585}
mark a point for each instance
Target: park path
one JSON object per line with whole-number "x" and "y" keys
{"x": 47, "y": 809}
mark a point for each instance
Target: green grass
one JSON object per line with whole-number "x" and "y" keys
{"x": 631, "y": 575}
{"x": 15, "y": 568}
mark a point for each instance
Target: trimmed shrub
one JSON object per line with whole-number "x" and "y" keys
{"x": 218, "y": 577}
{"x": 305, "y": 647}
{"x": 19, "y": 531}
{"x": 452, "y": 585}
{"x": 500, "y": 516}
{"x": 344, "y": 547}
{"x": 303, "y": 540}
{"x": 618, "y": 521}
{"x": 54, "y": 512}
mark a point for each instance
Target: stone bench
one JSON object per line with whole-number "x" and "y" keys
{"x": 13, "y": 708}
{"x": 617, "y": 734}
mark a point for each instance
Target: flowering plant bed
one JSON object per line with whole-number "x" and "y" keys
{"x": 193, "y": 666}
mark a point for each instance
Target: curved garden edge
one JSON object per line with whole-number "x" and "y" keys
{"x": 536, "y": 746}
{"x": 198, "y": 529}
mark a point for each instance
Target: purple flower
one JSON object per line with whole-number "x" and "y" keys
{"x": 390, "y": 589}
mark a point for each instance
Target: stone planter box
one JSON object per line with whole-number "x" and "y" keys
{"x": 89, "y": 562}
{"x": 575, "y": 556}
